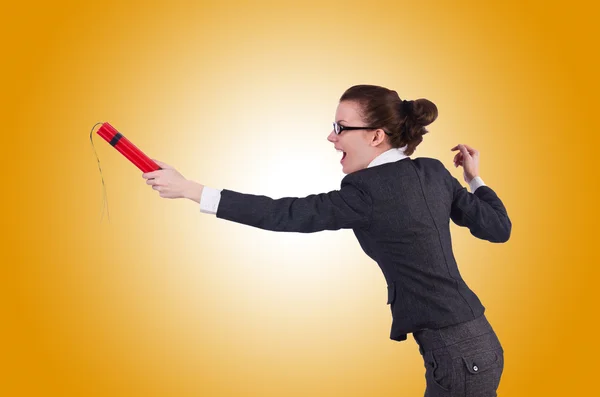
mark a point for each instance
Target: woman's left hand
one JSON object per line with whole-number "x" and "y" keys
{"x": 171, "y": 184}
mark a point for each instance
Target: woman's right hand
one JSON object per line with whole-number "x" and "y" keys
{"x": 468, "y": 158}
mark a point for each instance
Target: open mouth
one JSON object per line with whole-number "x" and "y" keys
{"x": 343, "y": 154}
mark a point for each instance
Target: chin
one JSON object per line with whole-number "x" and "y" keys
{"x": 347, "y": 170}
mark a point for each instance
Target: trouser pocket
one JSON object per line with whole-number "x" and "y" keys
{"x": 483, "y": 371}
{"x": 439, "y": 372}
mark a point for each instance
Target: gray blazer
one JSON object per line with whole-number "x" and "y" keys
{"x": 400, "y": 213}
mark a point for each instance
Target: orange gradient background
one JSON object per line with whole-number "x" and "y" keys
{"x": 162, "y": 300}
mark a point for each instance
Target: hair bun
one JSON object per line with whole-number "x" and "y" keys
{"x": 423, "y": 111}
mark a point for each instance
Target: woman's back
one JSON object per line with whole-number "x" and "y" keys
{"x": 408, "y": 235}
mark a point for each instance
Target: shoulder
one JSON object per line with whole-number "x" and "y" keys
{"x": 356, "y": 178}
{"x": 434, "y": 171}
{"x": 427, "y": 160}
{"x": 429, "y": 163}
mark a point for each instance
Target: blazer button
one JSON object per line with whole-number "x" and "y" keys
{"x": 475, "y": 368}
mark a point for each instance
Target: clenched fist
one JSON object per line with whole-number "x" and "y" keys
{"x": 171, "y": 184}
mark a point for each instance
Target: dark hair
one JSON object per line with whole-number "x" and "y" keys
{"x": 403, "y": 121}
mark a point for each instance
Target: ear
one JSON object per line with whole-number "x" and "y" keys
{"x": 378, "y": 137}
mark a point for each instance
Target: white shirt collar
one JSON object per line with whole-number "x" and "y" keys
{"x": 389, "y": 156}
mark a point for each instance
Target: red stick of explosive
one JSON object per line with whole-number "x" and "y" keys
{"x": 127, "y": 149}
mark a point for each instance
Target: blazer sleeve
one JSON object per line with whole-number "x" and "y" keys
{"x": 482, "y": 212}
{"x": 349, "y": 207}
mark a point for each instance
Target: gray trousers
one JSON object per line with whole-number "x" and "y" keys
{"x": 462, "y": 360}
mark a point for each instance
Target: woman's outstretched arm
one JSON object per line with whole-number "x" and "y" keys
{"x": 347, "y": 208}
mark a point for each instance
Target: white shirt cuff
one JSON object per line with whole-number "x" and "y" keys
{"x": 475, "y": 183}
{"x": 209, "y": 201}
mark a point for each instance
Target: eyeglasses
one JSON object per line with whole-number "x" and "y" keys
{"x": 338, "y": 128}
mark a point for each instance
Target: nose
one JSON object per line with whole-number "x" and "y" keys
{"x": 332, "y": 137}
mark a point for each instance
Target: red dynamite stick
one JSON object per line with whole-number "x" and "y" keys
{"x": 126, "y": 148}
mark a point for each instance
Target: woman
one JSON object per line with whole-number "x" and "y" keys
{"x": 400, "y": 210}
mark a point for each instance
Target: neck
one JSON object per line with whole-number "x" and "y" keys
{"x": 380, "y": 150}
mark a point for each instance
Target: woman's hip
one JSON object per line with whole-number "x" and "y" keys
{"x": 465, "y": 359}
